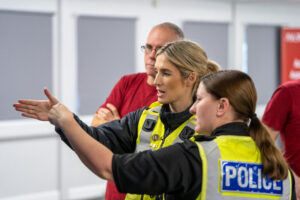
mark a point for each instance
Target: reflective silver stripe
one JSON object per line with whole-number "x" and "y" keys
{"x": 212, "y": 152}
{"x": 145, "y": 136}
{"x": 177, "y": 140}
{"x": 190, "y": 124}
{"x": 213, "y": 155}
{"x": 156, "y": 109}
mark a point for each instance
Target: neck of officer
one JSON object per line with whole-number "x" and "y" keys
{"x": 179, "y": 106}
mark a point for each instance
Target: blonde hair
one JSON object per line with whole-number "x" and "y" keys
{"x": 239, "y": 89}
{"x": 187, "y": 57}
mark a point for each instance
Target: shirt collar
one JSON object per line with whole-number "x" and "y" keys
{"x": 233, "y": 128}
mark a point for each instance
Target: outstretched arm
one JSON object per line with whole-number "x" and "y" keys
{"x": 94, "y": 155}
{"x": 36, "y": 109}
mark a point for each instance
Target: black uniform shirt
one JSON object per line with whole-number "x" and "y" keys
{"x": 120, "y": 135}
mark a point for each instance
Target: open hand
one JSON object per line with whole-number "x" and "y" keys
{"x": 36, "y": 109}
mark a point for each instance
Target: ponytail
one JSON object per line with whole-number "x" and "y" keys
{"x": 274, "y": 165}
{"x": 212, "y": 67}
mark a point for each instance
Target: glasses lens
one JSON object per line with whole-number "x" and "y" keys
{"x": 143, "y": 48}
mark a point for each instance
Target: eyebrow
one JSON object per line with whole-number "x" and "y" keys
{"x": 165, "y": 69}
{"x": 162, "y": 69}
{"x": 150, "y": 45}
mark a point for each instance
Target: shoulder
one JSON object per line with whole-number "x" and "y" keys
{"x": 134, "y": 76}
{"x": 134, "y": 116}
{"x": 129, "y": 80}
{"x": 290, "y": 85}
{"x": 133, "y": 79}
{"x": 286, "y": 90}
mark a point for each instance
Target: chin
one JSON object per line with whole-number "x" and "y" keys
{"x": 162, "y": 101}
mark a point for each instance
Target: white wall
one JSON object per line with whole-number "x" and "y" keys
{"x": 34, "y": 163}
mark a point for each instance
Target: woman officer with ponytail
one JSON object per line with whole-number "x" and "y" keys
{"x": 239, "y": 158}
{"x": 236, "y": 160}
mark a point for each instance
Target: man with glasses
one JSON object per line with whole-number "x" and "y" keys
{"x": 134, "y": 91}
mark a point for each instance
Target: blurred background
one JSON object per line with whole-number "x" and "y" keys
{"x": 80, "y": 48}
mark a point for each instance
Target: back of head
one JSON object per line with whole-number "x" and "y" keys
{"x": 239, "y": 89}
{"x": 187, "y": 57}
{"x": 168, "y": 25}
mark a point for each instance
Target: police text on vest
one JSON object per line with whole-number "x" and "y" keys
{"x": 247, "y": 178}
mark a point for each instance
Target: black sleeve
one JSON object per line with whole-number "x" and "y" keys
{"x": 175, "y": 170}
{"x": 118, "y": 135}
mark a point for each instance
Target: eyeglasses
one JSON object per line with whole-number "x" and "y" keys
{"x": 148, "y": 49}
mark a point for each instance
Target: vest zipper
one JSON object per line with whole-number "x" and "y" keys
{"x": 163, "y": 140}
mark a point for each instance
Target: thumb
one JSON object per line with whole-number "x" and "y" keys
{"x": 51, "y": 98}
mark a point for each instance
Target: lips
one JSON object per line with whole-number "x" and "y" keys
{"x": 160, "y": 93}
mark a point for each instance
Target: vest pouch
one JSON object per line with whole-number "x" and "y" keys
{"x": 186, "y": 133}
{"x": 149, "y": 125}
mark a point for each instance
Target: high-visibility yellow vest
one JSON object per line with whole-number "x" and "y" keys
{"x": 151, "y": 135}
{"x": 232, "y": 169}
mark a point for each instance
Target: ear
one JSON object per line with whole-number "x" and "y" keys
{"x": 223, "y": 106}
{"x": 191, "y": 79}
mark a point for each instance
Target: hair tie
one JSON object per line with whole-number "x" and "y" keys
{"x": 252, "y": 116}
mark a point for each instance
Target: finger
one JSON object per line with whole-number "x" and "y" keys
{"x": 113, "y": 110}
{"x": 29, "y": 102}
{"x": 24, "y": 106}
{"x": 29, "y": 115}
{"x": 105, "y": 114}
{"x": 101, "y": 110}
{"x": 27, "y": 111}
{"x": 100, "y": 113}
{"x": 51, "y": 98}
{"x": 106, "y": 111}
{"x": 20, "y": 109}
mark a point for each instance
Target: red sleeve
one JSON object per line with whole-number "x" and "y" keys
{"x": 278, "y": 108}
{"x": 116, "y": 95}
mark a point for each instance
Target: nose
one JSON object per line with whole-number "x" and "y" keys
{"x": 152, "y": 54}
{"x": 156, "y": 80}
{"x": 193, "y": 108}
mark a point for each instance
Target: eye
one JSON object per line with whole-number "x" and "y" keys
{"x": 149, "y": 47}
{"x": 166, "y": 74}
